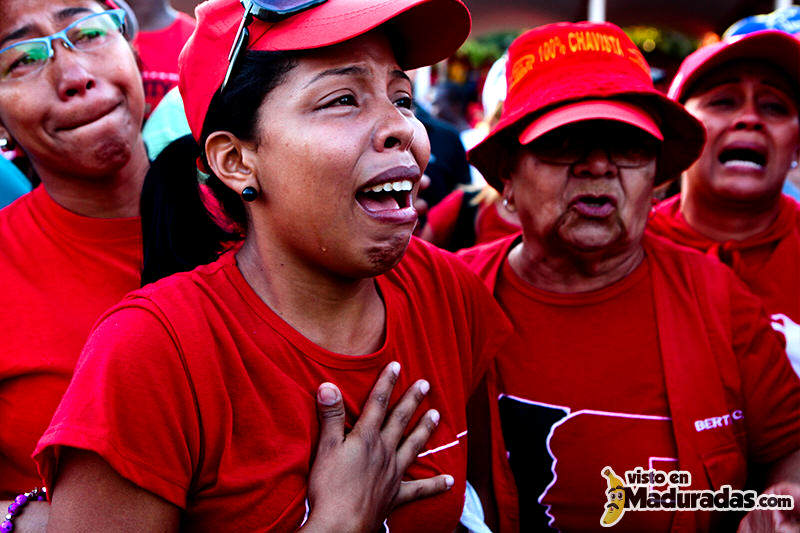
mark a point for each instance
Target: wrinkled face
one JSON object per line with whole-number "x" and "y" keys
{"x": 585, "y": 187}
{"x": 751, "y": 123}
{"x": 339, "y": 158}
{"x": 81, "y": 114}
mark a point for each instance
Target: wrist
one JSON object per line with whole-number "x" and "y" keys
{"x": 332, "y": 522}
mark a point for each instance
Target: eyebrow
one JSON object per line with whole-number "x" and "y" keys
{"x": 27, "y": 29}
{"x": 732, "y": 81}
{"x": 353, "y": 71}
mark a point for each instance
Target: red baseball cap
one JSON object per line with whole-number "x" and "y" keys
{"x": 563, "y": 73}
{"x": 772, "y": 46}
{"x": 423, "y": 32}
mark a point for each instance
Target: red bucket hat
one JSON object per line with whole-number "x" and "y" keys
{"x": 773, "y": 46}
{"x": 422, "y": 31}
{"x": 570, "y": 72}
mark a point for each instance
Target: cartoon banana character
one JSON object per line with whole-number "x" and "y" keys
{"x": 615, "y": 507}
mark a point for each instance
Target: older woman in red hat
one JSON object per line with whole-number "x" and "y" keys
{"x": 629, "y": 352}
{"x": 193, "y": 404}
{"x": 747, "y": 94}
{"x": 71, "y": 99}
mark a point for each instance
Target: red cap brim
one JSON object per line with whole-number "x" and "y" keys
{"x": 774, "y": 47}
{"x": 415, "y": 27}
{"x": 591, "y": 110}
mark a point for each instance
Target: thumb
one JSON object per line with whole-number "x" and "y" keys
{"x": 330, "y": 410}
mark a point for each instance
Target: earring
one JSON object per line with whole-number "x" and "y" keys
{"x": 508, "y": 206}
{"x": 793, "y": 164}
{"x": 5, "y": 144}
{"x": 249, "y": 194}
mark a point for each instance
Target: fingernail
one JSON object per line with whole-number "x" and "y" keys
{"x": 435, "y": 416}
{"x": 327, "y": 394}
{"x": 449, "y": 481}
{"x": 394, "y": 367}
{"x": 424, "y": 386}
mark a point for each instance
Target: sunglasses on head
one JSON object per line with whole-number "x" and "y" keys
{"x": 28, "y": 57}
{"x": 267, "y": 11}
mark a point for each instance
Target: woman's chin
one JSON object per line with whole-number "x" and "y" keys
{"x": 385, "y": 255}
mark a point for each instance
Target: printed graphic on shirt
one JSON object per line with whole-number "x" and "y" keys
{"x": 656, "y": 490}
{"x": 553, "y": 450}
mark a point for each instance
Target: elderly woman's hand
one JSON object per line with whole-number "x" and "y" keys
{"x": 355, "y": 481}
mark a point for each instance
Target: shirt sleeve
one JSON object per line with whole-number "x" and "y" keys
{"x": 131, "y": 402}
{"x": 771, "y": 389}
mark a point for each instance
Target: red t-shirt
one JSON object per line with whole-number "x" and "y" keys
{"x": 564, "y": 396}
{"x": 159, "y": 51}
{"x": 59, "y": 272}
{"x": 582, "y": 384}
{"x": 768, "y": 263}
{"x": 196, "y": 391}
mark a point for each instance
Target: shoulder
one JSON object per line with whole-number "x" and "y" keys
{"x": 185, "y": 23}
{"x": 428, "y": 272}
{"x": 660, "y": 246}
{"x": 687, "y": 269}
{"x": 669, "y": 206}
{"x": 665, "y": 214}
{"x": 21, "y": 221}
{"x": 485, "y": 259}
{"x": 423, "y": 259}
{"x": 23, "y": 204}
{"x": 790, "y": 204}
{"x": 184, "y": 292}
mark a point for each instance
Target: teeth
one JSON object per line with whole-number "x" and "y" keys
{"x": 397, "y": 186}
{"x": 743, "y": 163}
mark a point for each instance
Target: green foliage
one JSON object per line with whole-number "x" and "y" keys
{"x": 486, "y": 49}
{"x": 667, "y": 42}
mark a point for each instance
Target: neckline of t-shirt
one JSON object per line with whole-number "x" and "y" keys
{"x": 575, "y": 299}
{"x": 777, "y": 230}
{"x": 309, "y": 348}
{"x": 82, "y": 227}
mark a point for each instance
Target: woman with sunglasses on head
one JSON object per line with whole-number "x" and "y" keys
{"x": 71, "y": 99}
{"x": 194, "y": 398}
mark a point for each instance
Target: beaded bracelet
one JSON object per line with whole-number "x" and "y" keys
{"x": 18, "y": 505}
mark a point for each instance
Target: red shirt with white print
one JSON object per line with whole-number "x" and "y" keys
{"x": 195, "y": 390}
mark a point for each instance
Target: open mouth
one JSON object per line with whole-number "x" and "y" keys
{"x": 612, "y": 506}
{"x": 386, "y": 196}
{"x": 594, "y": 205}
{"x": 743, "y": 158}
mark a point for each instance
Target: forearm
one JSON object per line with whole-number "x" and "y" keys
{"x": 32, "y": 519}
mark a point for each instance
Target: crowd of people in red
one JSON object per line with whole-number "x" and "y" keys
{"x": 242, "y": 331}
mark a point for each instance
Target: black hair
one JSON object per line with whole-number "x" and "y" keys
{"x": 179, "y": 233}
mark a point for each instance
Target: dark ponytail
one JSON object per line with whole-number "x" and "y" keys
{"x": 179, "y": 233}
